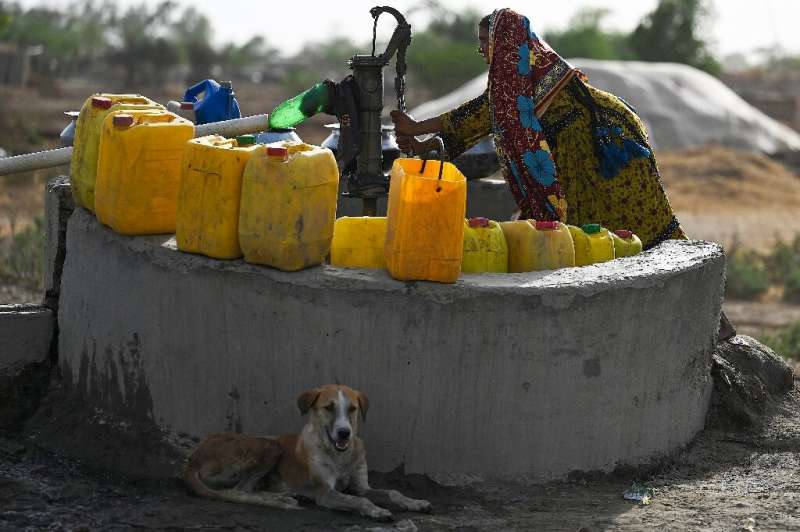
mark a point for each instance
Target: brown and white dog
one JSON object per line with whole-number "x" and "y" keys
{"x": 326, "y": 462}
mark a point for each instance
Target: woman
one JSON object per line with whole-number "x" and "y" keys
{"x": 567, "y": 150}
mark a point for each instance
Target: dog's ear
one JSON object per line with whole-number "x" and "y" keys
{"x": 307, "y": 400}
{"x": 363, "y": 405}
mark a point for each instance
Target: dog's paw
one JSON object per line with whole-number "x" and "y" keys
{"x": 289, "y": 503}
{"x": 419, "y": 505}
{"x": 380, "y": 514}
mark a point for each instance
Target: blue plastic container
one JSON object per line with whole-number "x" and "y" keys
{"x": 217, "y": 103}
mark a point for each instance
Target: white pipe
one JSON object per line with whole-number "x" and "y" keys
{"x": 235, "y": 127}
{"x": 61, "y": 156}
{"x": 35, "y": 161}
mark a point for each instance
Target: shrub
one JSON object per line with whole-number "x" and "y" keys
{"x": 22, "y": 255}
{"x": 791, "y": 288}
{"x": 786, "y": 342}
{"x": 747, "y": 275}
{"x": 784, "y": 261}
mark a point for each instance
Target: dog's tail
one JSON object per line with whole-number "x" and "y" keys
{"x": 274, "y": 500}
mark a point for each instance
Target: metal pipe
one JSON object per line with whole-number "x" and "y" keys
{"x": 61, "y": 156}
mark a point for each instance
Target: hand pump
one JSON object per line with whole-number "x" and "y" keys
{"x": 369, "y": 182}
{"x": 357, "y": 101}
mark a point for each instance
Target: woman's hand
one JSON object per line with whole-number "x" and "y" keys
{"x": 410, "y": 145}
{"x": 404, "y": 125}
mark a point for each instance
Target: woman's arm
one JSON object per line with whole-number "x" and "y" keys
{"x": 460, "y": 129}
{"x": 466, "y": 125}
{"x": 406, "y": 126}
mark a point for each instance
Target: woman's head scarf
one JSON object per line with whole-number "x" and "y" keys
{"x": 525, "y": 74}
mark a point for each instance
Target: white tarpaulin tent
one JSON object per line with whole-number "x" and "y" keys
{"x": 681, "y": 105}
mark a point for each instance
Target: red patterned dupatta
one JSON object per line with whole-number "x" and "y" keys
{"x": 524, "y": 76}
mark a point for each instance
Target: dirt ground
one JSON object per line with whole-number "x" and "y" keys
{"x": 727, "y": 479}
{"x": 732, "y": 197}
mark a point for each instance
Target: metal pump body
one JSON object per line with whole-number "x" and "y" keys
{"x": 362, "y": 95}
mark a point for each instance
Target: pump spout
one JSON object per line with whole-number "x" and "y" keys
{"x": 317, "y": 99}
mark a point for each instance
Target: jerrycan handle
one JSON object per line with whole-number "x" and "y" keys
{"x": 224, "y": 143}
{"x": 206, "y": 86}
{"x": 440, "y": 150}
{"x": 159, "y": 118}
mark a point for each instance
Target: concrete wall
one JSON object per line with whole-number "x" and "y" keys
{"x": 498, "y": 375}
{"x": 25, "y": 335}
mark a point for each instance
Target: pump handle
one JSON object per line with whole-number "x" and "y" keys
{"x": 401, "y": 39}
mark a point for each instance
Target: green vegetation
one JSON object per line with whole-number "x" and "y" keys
{"x": 746, "y": 276}
{"x": 672, "y": 32}
{"x": 750, "y": 274}
{"x": 22, "y": 255}
{"x": 444, "y": 55}
{"x": 784, "y": 260}
{"x": 791, "y": 289}
{"x": 5, "y": 18}
{"x": 143, "y": 43}
{"x": 584, "y": 37}
{"x": 786, "y": 342}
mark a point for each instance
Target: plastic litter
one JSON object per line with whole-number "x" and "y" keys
{"x": 640, "y": 493}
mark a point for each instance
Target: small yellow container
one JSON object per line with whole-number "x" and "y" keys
{"x": 552, "y": 245}
{"x": 139, "y": 171}
{"x": 288, "y": 208}
{"x": 519, "y": 238}
{"x": 88, "y": 129}
{"x": 626, "y": 244}
{"x": 535, "y": 246}
{"x": 425, "y": 232}
{"x": 358, "y": 242}
{"x": 211, "y": 188}
{"x": 485, "y": 248}
{"x": 593, "y": 244}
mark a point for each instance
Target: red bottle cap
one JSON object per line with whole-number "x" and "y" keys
{"x": 623, "y": 233}
{"x": 479, "y": 221}
{"x": 123, "y": 120}
{"x": 187, "y": 106}
{"x": 277, "y": 151}
{"x": 101, "y": 102}
{"x": 546, "y": 225}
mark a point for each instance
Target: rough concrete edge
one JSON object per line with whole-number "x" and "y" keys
{"x": 59, "y": 205}
{"x": 651, "y": 268}
{"x": 27, "y": 311}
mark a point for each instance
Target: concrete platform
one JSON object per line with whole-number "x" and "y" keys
{"x": 535, "y": 374}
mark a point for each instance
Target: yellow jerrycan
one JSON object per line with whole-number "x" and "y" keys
{"x": 425, "y": 217}
{"x": 519, "y": 238}
{"x": 552, "y": 245}
{"x": 289, "y": 193}
{"x": 139, "y": 171}
{"x": 207, "y": 219}
{"x": 485, "y": 248}
{"x": 88, "y": 129}
{"x": 358, "y": 242}
{"x": 626, "y": 244}
{"x": 593, "y": 244}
